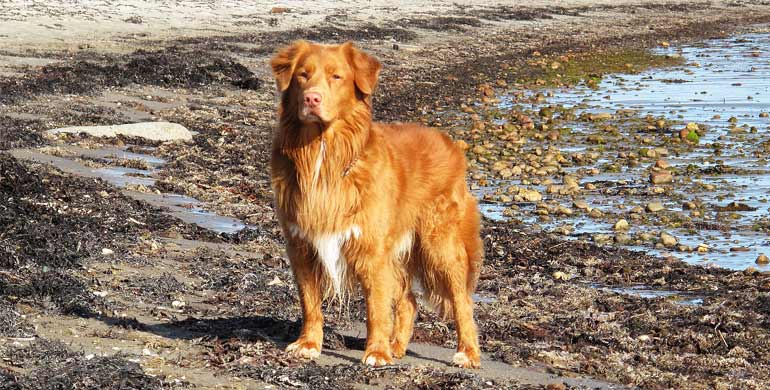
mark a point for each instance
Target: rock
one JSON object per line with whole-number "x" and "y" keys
{"x": 602, "y": 239}
{"x": 155, "y": 131}
{"x": 762, "y": 259}
{"x": 667, "y": 240}
{"x": 689, "y": 205}
{"x": 763, "y": 115}
{"x": 564, "y": 210}
{"x": 564, "y": 230}
{"x": 596, "y": 139}
{"x": 571, "y": 181}
{"x": 661, "y": 177}
{"x": 662, "y": 164}
{"x": 602, "y": 116}
{"x": 702, "y": 248}
{"x": 654, "y": 207}
{"x": 558, "y": 275}
{"x": 739, "y": 249}
{"x": 553, "y": 135}
{"x": 622, "y": 225}
{"x": 734, "y": 206}
{"x": 506, "y": 173}
{"x": 531, "y": 195}
{"x": 622, "y": 238}
{"x": 580, "y": 205}
{"x": 107, "y": 252}
{"x": 595, "y": 213}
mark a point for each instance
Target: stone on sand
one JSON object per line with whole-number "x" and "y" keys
{"x": 155, "y": 131}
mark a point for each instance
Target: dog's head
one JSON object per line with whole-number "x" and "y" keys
{"x": 321, "y": 83}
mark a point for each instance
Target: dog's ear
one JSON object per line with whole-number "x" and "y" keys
{"x": 366, "y": 68}
{"x": 285, "y": 61}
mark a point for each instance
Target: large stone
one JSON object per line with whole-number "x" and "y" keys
{"x": 661, "y": 177}
{"x": 667, "y": 240}
{"x": 155, "y": 131}
{"x": 654, "y": 207}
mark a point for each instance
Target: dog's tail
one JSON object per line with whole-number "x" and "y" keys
{"x": 471, "y": 247}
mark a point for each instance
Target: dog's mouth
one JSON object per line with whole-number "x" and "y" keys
{"x": 311, "y": 115}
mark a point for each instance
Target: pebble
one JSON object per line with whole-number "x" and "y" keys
{"x": 558, "y": 275}
{"x": 580, "y": 205}
{"x": 763, "y": 259}
{"x": 654, "y": 207}
{"x": 530, "y": 195}
{"x": 661, "y": 177}
{"x": 622, "y": 238}
{"x": 622, "y": 225}
{"x": 107, "y": 252}
{"x": 667, "y": 240}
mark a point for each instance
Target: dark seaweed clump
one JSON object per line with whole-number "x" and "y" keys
{"x": 57, "y": 367}
{"x": 53, "y": 222}
{"x": 170, "y": 67}
{"x": 16, "y": 133}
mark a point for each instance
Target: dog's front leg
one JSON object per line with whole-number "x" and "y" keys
{"x": 308, "y": 345}
{"x": 379, "y": 282}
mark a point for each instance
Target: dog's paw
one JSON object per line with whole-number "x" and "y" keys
{"x": 398, "y": 349}
{"x": 304, "y": 349}
{"x": 377, "y": 358}
{"x": 466, "y": 359}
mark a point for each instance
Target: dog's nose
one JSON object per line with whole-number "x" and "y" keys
{"x": 312, "y": 99}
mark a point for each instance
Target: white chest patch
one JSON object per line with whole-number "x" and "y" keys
{"x": 328, "y": 247}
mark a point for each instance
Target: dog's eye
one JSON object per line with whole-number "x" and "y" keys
{"x": 303, "y": 74}
{"x": 336, "y": 77}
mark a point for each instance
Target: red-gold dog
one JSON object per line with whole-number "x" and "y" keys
{"x": 370, "y": 203}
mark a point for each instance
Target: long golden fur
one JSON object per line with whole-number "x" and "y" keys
{"x": 369, "y": 204}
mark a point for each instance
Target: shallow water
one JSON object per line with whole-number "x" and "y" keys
{"x": 648, "y": 292}
{"x": 187, "y": 209}
{"x": 722, "y": 78}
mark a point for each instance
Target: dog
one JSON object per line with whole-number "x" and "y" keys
{"x": 369, "y": 205}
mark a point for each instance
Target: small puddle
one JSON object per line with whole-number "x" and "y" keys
{"x": 677, "y": 297}
{"x": 187, "y": 209}
{"x": 723, "y": 78}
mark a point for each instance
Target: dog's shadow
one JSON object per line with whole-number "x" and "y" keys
{"x": 249, "y": 329}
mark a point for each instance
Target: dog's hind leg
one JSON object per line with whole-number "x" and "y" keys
{"x": 449, "y": 274}
{"x": 308, "y": 279}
